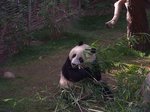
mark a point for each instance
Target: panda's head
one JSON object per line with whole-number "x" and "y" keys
{"x": 82, "y": 53}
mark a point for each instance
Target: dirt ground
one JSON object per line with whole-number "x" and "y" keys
{"x": 35, "y": 75}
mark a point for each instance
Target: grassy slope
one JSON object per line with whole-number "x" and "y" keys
{"x": 86, "y": 29}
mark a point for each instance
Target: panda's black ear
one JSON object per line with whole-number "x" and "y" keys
{"x": 80, "y": 43}
{"x": 93, "y": 50}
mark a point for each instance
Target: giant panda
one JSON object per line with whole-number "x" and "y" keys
{"x": 75, "y": 69}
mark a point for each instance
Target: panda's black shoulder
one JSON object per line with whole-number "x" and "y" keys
{"x": 80, "y": 43}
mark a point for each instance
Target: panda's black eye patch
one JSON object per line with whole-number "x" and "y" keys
{"x": 81, "y": 60}
{"x": 93, "y": 50}
{"x": 73, "y": 55}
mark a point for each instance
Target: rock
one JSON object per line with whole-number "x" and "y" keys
{"x": 9, "y": 75}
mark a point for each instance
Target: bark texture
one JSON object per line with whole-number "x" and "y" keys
{"x": 139, "y": 25}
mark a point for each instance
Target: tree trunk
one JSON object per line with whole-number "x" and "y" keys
{"x": 138, "y": 27}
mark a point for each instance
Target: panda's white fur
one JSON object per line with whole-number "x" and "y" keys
{"x": 81, "y": 51}
{"x": 64, "y": 83}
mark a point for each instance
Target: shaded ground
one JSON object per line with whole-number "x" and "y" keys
{"x": 36, "y": 75}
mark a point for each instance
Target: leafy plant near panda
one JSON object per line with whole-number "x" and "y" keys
{"x": 94, "y": 66}
{"x": 87, "y": 97}
{"x": 84, "y": 96}
{"x": 111, "y": 56}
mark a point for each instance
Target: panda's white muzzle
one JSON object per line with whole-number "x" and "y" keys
{"x": 75, "y": 63}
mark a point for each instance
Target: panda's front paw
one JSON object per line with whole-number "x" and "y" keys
{"x": 64, "y": 83}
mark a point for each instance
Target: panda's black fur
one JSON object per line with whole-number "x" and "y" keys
{"x": 76, "y": 74}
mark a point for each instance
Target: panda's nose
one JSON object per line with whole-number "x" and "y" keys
{"x": 74, "y": 64}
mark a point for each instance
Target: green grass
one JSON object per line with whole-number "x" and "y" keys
{"x": 92, "y": 23}
{"x": 26, "y": 104}
{"x": 51, "y": 47}
{"x": 127, "y": 96}
{"x": 43, "y": 34}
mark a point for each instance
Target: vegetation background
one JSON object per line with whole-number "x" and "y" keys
{"x": 36, "y": 37}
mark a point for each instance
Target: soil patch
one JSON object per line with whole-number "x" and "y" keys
{"x": 36, "y": 75}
